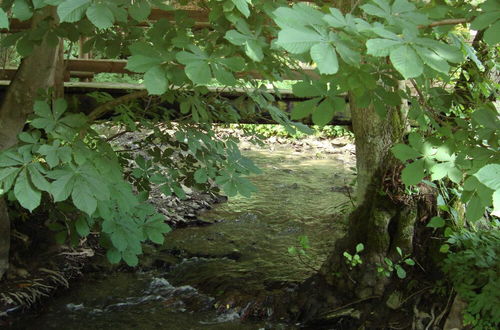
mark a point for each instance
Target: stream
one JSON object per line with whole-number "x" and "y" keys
{"x": 238, "y": 260}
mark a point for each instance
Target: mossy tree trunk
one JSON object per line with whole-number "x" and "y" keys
{"x": 379, "y": 222}
{"x": 37, "y": 71}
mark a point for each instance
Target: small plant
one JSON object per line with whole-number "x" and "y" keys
{"x": 473, "y": 265}
{"x": 354, "y": 260}
{"x": 390, "y": 266}
{"x": 302, "y": 248}
{"x": 301, "y": 252}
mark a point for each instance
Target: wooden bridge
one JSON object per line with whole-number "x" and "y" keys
{"x": 84, "y": 68}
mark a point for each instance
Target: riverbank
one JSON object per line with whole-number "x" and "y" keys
{"x": 185, "y": 213}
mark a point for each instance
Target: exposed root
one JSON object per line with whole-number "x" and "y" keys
{"x": 24, "y": 293}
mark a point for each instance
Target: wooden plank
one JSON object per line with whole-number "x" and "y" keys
{"x": 200, "y": 17}
{"x": 79, "y": 87}
{"x": 9, "y": 73}
{"x": 118, "y": 66}
{"x": 86, "y": 104}
{"x": 97, "y": 66}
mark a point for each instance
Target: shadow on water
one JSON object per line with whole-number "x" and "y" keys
{"x": 242, "y": 255}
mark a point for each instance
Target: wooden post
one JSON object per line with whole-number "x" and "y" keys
{"x": 84, "y": 56}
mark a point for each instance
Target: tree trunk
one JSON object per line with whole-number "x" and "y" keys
{"x": 37, "y": 71}
{"x": 379, "y": 222}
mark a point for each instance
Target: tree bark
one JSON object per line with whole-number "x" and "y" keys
{"x": 378, "y": 222}
{"x": 37, "y": 71}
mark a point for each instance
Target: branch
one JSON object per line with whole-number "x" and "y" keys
{"x": 423, "y": 102}
{"x": 109, "y": 106}
{"x": 450, "y": 21}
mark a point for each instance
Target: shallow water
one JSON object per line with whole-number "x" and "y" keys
{"x": 241, "y": 256}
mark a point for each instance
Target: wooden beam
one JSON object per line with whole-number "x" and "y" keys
{"x": 86, "y": 104}
{"x": 200, "y": 17}
{"x": 118, "y": 66}
{"x": 97, "y": 66}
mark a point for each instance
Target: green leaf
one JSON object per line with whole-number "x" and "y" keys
{"x": 38, "y": 179}
{"x": 436, "y": 222}
{"x": 335, "y": 19}
{"x": 325, "y": 57}
{"x": 101, "y": 16}
{"x": 242, "y": 6}
{"x": 449, "y": 53}
{"x": 119, "y": 238}
{"x": 444, "y": 248}
{"x": 223, "y": 76}
{"x": 130, "y": 258}
{"x": 360, "y": 247}
{"x": 235, "y": 63}
{"x": 37, "y": 4}
{"x": 475, "y": 208}
{"x": 381, "y": 47}
{"x": 4, "y": 20}
{"x": 230, "y": 189}
{"x": 406, "y": 61}
{"x": 155, "y": 80}
{"x": 199, "y": 72}
{"x": 26, "y": 194}
{"x": 300, "y": 15}
{"x": 489, "y": 175}
{"x": 298, "y": 41}
{"x": 7, "y": 177}
{"x": 324, "y": 113}
{"x": 400, "y": 272}
{"x": 413, "y": 173}
{"x": 492, "y": 35}
{"x": 404, "y": 152}
{"x": 496, "y": 203}
{"x": 433, "y": 60}
{"x": 487, "y": 117}
{"x": 83, "y": 197}
{"x": 309, "y": 89}
{"x": 61, "y": 188}
{"x": 439, "y": 171}
{"x": 253, "y": 49}
{"x": 60, "y": 106}
{"x": 72, "y": 11}
{"x": 142, "y": 63}
{"x": 22, "y": 10}
{"x": 236, "y": 38}
{"x": 114, "y": 256}
{"x": 201, "y": 176}
{"x": 42, "y": 109}
{"x": 82, "y": 227}
{"x": 155, "y": 229}
{"x": 371, "y": 9}
{"x": 140, "y": 10}
{"x": 484, "y": 20}
{"x": 347, "y": 54}
{"x": 303, "y": 109}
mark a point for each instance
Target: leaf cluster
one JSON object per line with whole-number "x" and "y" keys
{"x": 62, "y": 158}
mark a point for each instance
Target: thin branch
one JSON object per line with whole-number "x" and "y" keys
{"x": 349, "y": 304}
{"x": 423, "y": 102}
{"x": 111, "y": 138}
{"x": 109, "y": 106}
{"x": 450, "y": 21}
{"x": 354, "y": 6}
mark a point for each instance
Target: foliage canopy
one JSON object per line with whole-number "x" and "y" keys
{"x": 382, "y": 53}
